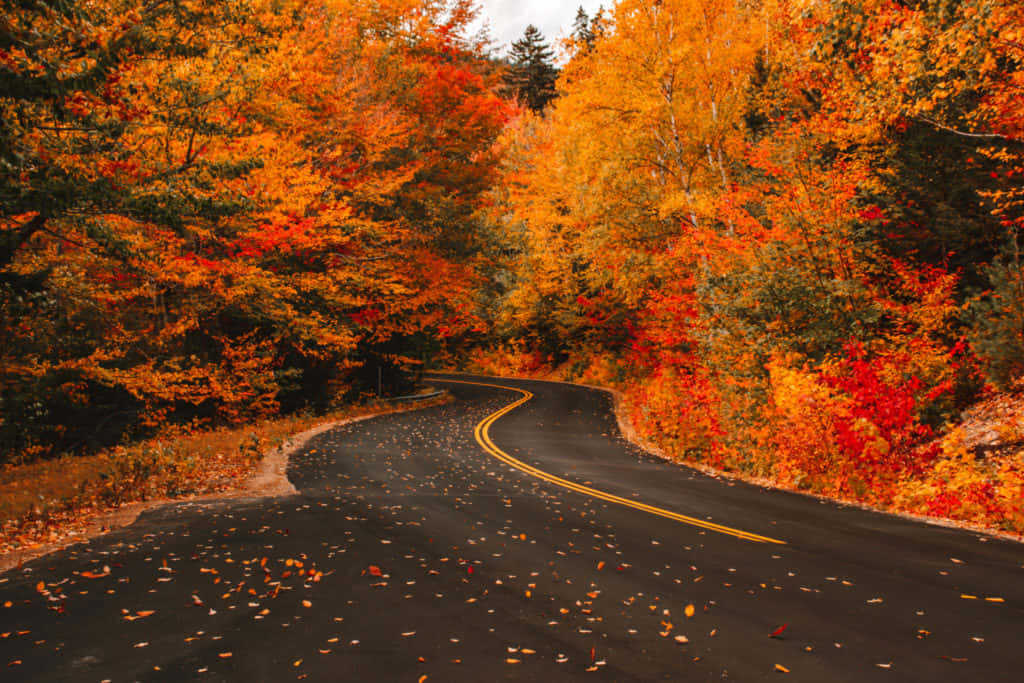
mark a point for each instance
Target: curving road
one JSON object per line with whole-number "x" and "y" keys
{"x": 514, "y": 535}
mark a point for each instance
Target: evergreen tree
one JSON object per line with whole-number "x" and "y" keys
{"x": 585, "y": 28}
{"x": 531, "y": 74}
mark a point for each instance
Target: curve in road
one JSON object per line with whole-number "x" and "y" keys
{"x": 413, "y": 552}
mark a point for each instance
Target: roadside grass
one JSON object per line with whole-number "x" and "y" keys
{"x": 53, "y": 500}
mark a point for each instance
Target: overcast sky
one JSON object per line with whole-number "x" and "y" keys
{"x": 509, "y": 18}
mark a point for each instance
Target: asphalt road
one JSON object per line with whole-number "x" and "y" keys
{"x": 469, "y": 543}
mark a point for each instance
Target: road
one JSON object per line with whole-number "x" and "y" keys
{"x": 513, "y": 534}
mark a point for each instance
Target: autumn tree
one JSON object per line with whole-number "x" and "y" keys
{"x": 703, "y": 175}
{"x": 238, "y": 209}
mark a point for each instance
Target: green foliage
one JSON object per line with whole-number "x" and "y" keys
{"x": 997, "y": 321}
{"x": 531, "y": 73}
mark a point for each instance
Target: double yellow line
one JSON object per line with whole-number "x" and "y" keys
{"x": 483, "y": 437}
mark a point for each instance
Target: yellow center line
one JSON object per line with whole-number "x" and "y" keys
{"x": 483, "y": 437}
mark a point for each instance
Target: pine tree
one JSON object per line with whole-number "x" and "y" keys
{"x": 531, "y": 74}
{"x": 585, "y": 29}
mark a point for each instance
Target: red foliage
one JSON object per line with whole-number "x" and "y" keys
{"x": 881, "y": 411}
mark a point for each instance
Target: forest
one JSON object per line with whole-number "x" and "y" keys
{"x": 787, "y": 231}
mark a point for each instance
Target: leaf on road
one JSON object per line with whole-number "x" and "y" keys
{"x": 781, "y": 669}
{"x": 689, "y": 611}
{"x": 778, "y": 632}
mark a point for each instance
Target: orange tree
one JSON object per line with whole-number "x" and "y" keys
{"x": 214, "y": 211}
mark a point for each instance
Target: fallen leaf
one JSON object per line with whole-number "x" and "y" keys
{"x": 682, "y": 639}
{"x": 781, "y": 669}
{"x": 689, "y": 611}
{"x": 600, "y": 565}
{"x": 778, "y": 632}
{"x": 92, "y": 575}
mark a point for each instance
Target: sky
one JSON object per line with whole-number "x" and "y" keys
{"x": 509, "y": 18}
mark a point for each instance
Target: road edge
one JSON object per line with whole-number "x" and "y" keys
{"x": 630, "y": 433}
{"x": 269, "y": 479}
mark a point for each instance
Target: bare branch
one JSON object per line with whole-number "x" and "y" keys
{"x": 962, "y": 133}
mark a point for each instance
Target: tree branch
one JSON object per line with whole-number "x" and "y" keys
{"x": 985, "y": 136}
{"x": 19, "y": 237}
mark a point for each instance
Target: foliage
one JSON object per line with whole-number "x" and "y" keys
{"x": 531, "y": 72}
{"x": 776, "y": 215}
{"x": 219, "y": 212}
